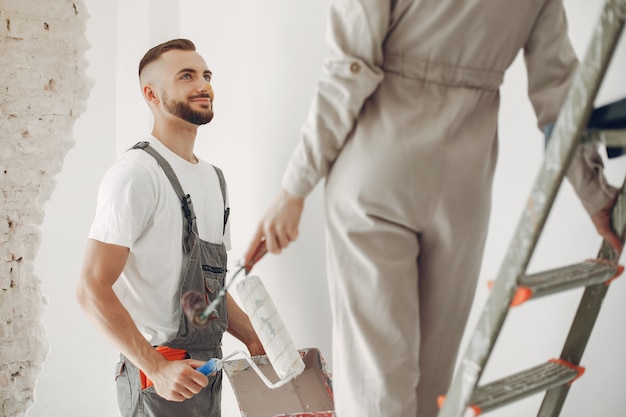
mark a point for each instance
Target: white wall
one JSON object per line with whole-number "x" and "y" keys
{"x": 265, "y": 57}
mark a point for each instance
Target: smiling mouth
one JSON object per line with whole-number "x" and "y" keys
{"x": 201, "y": 98}
{"x": 203, "y": 101}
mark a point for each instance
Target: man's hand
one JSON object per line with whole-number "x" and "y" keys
{"x": 178, "y": 380}
{"x": 602, "y": 221}
{"x": 279, "y": 225}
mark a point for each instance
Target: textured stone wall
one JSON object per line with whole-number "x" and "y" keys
{"x": 43, "y": 90}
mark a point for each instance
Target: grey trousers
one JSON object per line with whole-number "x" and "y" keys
{"x": 136, "y": 402}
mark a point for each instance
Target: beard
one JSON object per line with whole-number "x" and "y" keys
{"x": 184, "y": 111}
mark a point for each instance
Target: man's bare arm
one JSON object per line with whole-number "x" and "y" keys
{"x": 239, "y": 326}
{"x": 103, "y": 263}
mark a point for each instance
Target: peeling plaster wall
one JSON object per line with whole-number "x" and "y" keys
{"x": 44, "y": 89}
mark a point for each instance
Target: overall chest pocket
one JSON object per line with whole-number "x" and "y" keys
{"x": 213, "y": 277}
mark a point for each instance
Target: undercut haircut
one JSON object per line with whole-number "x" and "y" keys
{"x": 155, "y": 53}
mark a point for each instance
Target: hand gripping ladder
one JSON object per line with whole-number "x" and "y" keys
{"x": 575, "y": 124}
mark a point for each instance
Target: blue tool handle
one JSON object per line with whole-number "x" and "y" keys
{"x": 210, "y": 367}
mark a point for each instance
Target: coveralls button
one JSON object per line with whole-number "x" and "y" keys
{"x": 355, "y": 67}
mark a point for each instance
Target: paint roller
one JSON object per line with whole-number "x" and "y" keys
{"x": 279, "y": 348}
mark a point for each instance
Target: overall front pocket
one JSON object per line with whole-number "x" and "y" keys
{"x": 213, "y": 283}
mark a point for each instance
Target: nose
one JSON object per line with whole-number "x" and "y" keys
{"x": 207, "y": 88}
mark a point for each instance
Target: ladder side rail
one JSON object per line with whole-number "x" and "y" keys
{"x": 568, "y": 130}
{"x": 586, "y": 315}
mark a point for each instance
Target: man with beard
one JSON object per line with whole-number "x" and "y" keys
{"x": 135, "y": 267}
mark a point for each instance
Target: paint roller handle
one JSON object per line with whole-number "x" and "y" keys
{"x": 210, "y": 367}
{"x": 259, "y": 253}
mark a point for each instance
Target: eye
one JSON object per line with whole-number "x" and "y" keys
{"x": 185, "y": 76}
{"x": 207, "y": 77}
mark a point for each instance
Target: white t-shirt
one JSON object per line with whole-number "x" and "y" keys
{"x": 138, "y": 208}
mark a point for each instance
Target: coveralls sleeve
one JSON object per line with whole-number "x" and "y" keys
{"x": 351, "y": 73}
{"x": 551, "y": 64}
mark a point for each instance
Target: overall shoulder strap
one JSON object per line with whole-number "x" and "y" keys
{"x": 189, "y": 225}
{"x": 220, "y": 177}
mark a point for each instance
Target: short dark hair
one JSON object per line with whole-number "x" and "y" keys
{"x": 155, "y": 53}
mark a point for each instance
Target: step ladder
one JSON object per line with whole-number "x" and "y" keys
{"x": 577, "y": 123}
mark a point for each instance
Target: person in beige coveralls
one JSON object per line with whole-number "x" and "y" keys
{"x": 403, "y": 127}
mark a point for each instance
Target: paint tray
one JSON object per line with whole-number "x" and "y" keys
{"x": 310, "y": 394}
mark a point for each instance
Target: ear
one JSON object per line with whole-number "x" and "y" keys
{"x": 149, "y": 93}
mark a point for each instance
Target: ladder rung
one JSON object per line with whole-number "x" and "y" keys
{"x": 607, "y": 125}
{"x": 604, "y": 124}
{"x": 613, "y": 139}
{"x": 609, "y": 116}
{"x": 552, "y": 374}
{"x": 583, "y": 274}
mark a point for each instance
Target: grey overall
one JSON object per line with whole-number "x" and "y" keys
{"x": 204, "y": 270}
